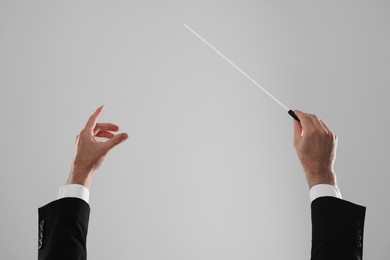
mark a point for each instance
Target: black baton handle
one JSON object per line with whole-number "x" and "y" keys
{"x": 293, "y": 115}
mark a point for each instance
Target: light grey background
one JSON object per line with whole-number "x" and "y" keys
{"x": 209, "y": 171}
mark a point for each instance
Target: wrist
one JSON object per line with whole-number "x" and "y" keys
{"x": 321, "y": 178}
{"x": 78, "y": 180}
{"x": 80, "y": 176}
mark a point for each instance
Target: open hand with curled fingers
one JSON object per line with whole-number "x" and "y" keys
{"x": 90, "y": 153}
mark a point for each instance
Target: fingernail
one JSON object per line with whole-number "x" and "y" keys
{"x": 124, "y": 137}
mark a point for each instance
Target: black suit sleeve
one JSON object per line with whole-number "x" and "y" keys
{"x": 63, "y": 228}
{"x": 337, "y": 229}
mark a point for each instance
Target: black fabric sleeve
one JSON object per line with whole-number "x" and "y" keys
{"x": 337, "y": 229}
{"x": 62, "y": 230}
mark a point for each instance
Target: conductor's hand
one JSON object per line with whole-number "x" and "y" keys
{"x": 91, "y": 153}
{"x": 316, "y": 147}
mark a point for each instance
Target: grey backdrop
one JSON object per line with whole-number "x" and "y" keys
{"x": 210, "y": 171}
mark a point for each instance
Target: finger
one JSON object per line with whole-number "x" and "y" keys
{"x": 93, "y": 119}
{"x": 108, "y": 135}
{"x": 325, "y": 126}
{"x": 105, "y": 127}
{"x": 318, "y": 125}
{"x": 306, "y": 122}
{"x": 297, "y": 131}
{"x": 114, "y": 141}
{"x": 328, "y": 129}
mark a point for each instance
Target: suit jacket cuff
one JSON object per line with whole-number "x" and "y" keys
{"x": 337, "y": 229}
{"x": 63, "y": 228}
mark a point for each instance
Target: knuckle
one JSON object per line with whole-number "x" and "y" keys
{"x": 84, "y": 133}
{"x": 310, "y": 133}
{"x": 324, "y": 133}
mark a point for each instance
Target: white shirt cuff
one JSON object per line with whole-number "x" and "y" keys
{"x": 324, "y": 190}
{"x": 74, "y": 191}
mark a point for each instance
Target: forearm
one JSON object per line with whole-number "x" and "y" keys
{"x": 63, "y": 226}
{"x": 337, "y": 229}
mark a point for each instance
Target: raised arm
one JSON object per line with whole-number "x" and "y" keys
{"x": 337, "y": 225}
{"x": 63, "y": 223}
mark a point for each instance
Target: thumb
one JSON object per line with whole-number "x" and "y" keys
{"x": 297, "y": 131}
{"x": 117, "y": 139}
